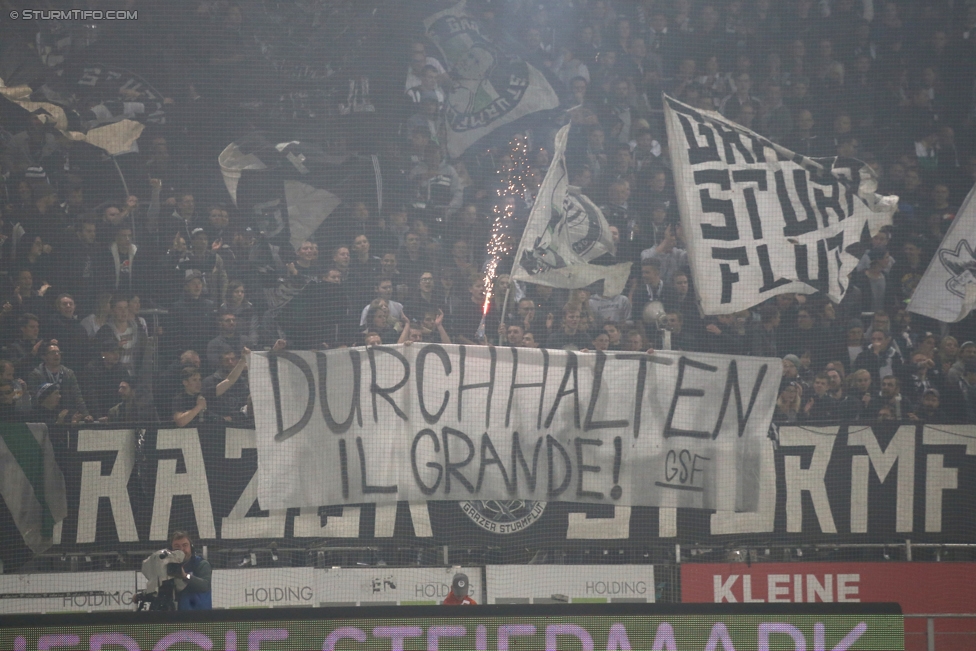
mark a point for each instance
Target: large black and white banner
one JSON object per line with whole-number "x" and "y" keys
{"x": 490, "y": 86}
{"x": 127, "y": 489}
{"x": 761, "y": 220}
{"x": 433, "y": 422}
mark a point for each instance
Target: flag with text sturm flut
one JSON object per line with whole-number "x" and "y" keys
{"x": 760, "y": 220}
{"x": 31, "y": 482}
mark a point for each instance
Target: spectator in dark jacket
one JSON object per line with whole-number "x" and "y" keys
{"x": 227, "y": 339}
{"x": 227, "y": 391}
{"x": 51, "y": 371}
{"x": 119, "y": 268}
{"x": 820, "y": 406}
{"x": 169, "y": 382}
{"x": 863, "y": 396}
{"x": 101, "y": 378}
{"x": 47, "y": 407}
{"x": 192, "y": 316}
{"x": 881, "y": 358}
{"x": 877, "y": 291}
{"x": 189, "y": 407}
{"x": 76, "y": 270}
{"x": 64, "y": 327}
{"x": 929, "y": 409}
{"x": 125, "y": 333}
{"x": 9, "y": 411}
{"x": 135, "y": 407}
{"x": 23, "y": 352}
{"x": 762, "y": 341}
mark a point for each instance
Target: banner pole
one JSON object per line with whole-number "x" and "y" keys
{"x": 121, "y": 176}
{"x": 504, "y": 307}
{"x": 132, "y": 218}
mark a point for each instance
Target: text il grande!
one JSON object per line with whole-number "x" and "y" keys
{"x": 459, "y": 422}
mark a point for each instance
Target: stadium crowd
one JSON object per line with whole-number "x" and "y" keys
{"x": 145, "y": 307}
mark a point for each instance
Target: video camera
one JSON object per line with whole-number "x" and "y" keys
{"x": 160, "y": 568}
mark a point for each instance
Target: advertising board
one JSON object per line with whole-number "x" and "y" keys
{"x": 537, "y": 584}
{"x": 614, "y": 627}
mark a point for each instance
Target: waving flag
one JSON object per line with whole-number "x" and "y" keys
{"x": 947, "y": 290}
{"x": 565, "y": 231}
{"x": 761, "y": 220}
{"x": 31, "y": 482}
{"x": 291, "y": 188}
{"x": 491, "y": 87}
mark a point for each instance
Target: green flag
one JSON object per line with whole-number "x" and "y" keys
{"x": 31, "y": 482}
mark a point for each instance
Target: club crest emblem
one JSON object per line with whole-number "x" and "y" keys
{"x": 503, "y": 516}
{"x": 961, "y": 263}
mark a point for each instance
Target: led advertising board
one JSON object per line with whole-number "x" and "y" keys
{"x": 567, "y": 627}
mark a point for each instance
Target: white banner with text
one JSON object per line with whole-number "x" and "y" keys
{"x": 442, "y": 422}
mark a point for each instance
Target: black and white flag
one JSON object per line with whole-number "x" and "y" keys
{"x": 947, "y": 291}
{"x": 565, "y": 231}
{"x": 491, "y": 86}
{"x": 290, "y": 188}
{"x": 761, "y": 220}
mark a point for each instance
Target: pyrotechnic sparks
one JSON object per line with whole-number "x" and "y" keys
{"x": 515, "y": 180}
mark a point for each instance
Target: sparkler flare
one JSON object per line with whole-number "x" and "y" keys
{"x": 515, "y": 173}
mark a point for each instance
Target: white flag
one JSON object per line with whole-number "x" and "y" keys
{"x": 491, "y": 87}
{"x": 565, "y": 231}
{"x": 116, "y": 138}
{"x": 307, "y": 208}
{"x": 760, "y": 220}
{"x": 947, "y": 291}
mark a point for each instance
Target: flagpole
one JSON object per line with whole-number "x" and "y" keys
{"x": 121, "y": 176}
{"x": 132, "y": 218}
{"x": 504, "y": 308}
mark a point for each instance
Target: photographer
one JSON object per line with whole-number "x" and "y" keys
{"x": 193, "y": 587}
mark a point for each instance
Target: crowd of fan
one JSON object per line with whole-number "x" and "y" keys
{"x": 147, "y": 307}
